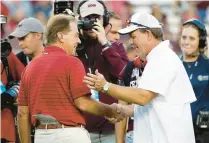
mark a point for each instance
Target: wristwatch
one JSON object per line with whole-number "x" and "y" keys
{"x": 108, "y": 44}
{"x": 106, "y": 87}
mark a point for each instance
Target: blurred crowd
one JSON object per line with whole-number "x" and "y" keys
{"x": 187, "y": 38}
{"x": 170, "y": 13}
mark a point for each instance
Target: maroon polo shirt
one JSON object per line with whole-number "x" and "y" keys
{"x": 109, "y": 63}
{"x": 51, "y": 83}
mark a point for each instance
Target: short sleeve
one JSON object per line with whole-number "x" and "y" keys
{"x": 77, "y": 73}
{"x": 22, "y": 99}
{"x": 157, "y": 76}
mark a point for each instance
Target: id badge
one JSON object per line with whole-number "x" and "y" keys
{"x": 3, "y": 89}
{"x": 95, "y": 94}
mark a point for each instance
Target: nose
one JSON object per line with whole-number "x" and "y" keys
{"x": 79, "y": 41}
{"x": 186, "y": 41}
{"x": 130, "y": 41}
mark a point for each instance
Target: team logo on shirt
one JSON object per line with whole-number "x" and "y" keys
{"x": 203, "y": 77}
{"x": 134, "y": 77}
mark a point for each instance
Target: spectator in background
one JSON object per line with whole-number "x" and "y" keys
{"x": 156, "y": 12}
{"x": 122, "y": 8}
{"x": 115, "y": 24}
{"x": 30, "y": 36}
{"x": 161, "y": 17}
{"x": 193, "y": 42}
{"x": 43, "y": 10}
{"x": 18, "y": 6}
{"x": 191, "y": 11}
{"x": 201, "y": 8}
{"x": 18, "y": 10}
{"x": 10, "y": 77}
{"x": 99, "y": 53}
{"x": 4, "y": 12}
{"x": 11, "y": 69}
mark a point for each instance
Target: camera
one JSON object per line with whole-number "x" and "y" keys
{"x": 5, "y": 45}
{"x": 86, "y": 24}
{"x": 6, "y": 48}
{"x": 60, "y": 8}
{"x": 203, "y": 120}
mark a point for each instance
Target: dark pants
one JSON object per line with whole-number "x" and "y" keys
{"x": 202, "y": 138}
{"x": 201, "y": 135}
{"x": 3, "y": 141}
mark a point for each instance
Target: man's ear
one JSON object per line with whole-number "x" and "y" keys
{"x": 60, "y": 37}
{"x": 150, "y": 36}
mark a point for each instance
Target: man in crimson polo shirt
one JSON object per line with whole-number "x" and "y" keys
{"x": 56, "y": 89}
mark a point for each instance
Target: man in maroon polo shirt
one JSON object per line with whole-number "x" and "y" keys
{"x": 107, "y": 56}
{"x": 114, "y": 36}
{"x": 56, "y": 89}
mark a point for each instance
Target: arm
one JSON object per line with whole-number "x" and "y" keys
{"x": 131, "y": 95}
{"x": 127, "y": 110}
{"x": 128, "y": 94}
{"x": 24, "y": 124}
{"x": 91, "y": 106}
{"x": 23, "y": 118}
{"x": 120, "y": 128}
{"x": 120, "y": 131}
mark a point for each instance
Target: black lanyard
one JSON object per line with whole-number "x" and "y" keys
{"x": 91, "y": 66}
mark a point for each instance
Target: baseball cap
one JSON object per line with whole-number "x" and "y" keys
{"x": 91, "y": 7}
{"x": 26, "y": 26}
{"x": 140, "y": 20}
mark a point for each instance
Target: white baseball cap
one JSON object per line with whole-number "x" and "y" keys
{"x": 91, "y": 7}
{"x": 140, "y": 20}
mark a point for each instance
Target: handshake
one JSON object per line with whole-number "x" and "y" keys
{"x": 117, "y": 113}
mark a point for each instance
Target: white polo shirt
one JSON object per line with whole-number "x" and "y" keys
{"x": 167, "y": 118}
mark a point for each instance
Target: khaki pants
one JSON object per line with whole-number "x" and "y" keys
{"x": 62, "y": 135}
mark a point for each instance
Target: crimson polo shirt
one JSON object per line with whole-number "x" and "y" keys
{"x": 51, "y": 83}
